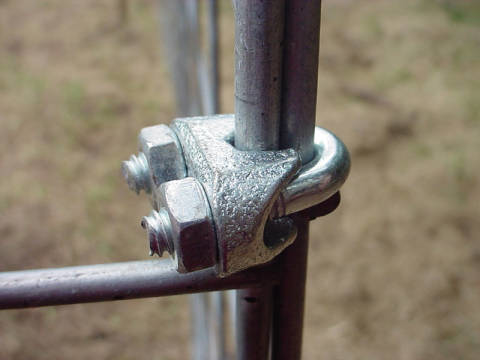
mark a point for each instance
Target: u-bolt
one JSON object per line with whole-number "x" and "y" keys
{"x": 317, "y": 180}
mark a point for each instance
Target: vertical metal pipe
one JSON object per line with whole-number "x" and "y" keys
{"x": 300, "y": 74}
{"x": 217, "y": 326}
{"x": 217, "y": 299}
{"x": 258, "y": 67}
{"x": 254, "y": 314}
{"x": 201, "y": 337}
{"x": 178, "y": 26}
{"x": 299, "y": 97}
{"x": 213, "y": 52}
{"x": 289, "y": 298}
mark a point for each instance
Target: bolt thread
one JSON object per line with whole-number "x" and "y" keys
{"x": 136, "y": 173}
{"x": 159, "y": 232}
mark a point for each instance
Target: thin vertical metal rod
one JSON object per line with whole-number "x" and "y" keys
{"x": 289, "y": 298}
{"x": 300, "y": 74}
{"x": 212, "y": 14}
{"x": 299, "y": 95}
{"x": 217, "y": 325}
{"x": 179, "y": 26}
{"x": 258, "y": 67}
{"x": 254, "y": 321}
{"x": 217, "y": 299}
{"x": 201, "y": 338}
{"x": 179, "y": 20}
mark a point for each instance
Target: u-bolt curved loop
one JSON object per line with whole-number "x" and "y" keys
{"x": 319, "y": 179}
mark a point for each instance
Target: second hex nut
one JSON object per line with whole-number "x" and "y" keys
{"x": 191, "y": 226}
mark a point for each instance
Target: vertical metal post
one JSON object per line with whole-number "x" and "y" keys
{"x": 193, "y": 93}
{"x": 217, "y": 300}
{"x": 181, "y": 59}
{"x": 258, "y": 67}
{"x": 254, "y": 309}
{"x": 300, "y": 74}
{"x": 212, "y": 14}
{"x": 299, "y": 95}
{"x": 289, "y": 298}
{"x": 217, "y": 326}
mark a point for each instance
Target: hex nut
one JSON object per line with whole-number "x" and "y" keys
{"x": 192, "y": 230}
{"x": 163, "y": 153}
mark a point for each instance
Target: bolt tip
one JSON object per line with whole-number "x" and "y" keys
{"x": 152, "y": 223}
{"x": 136, "y": 173}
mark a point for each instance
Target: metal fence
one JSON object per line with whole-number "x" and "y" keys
{"x": 273, "y": 130}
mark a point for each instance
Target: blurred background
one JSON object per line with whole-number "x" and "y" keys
{"x": 393, "y": 273}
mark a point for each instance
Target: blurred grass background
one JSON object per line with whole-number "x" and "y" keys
{"x": 393, "y": 273}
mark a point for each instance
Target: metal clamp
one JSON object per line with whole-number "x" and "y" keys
{"x": 241, "y": 190}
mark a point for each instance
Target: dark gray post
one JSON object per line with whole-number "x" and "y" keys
{"x": 300, "y": 74}
{"x": 299, "y": 98}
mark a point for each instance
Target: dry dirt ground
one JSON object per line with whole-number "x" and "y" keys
{"x": 393, "y": 274}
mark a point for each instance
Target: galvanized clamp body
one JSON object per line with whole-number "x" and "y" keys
{"x": 212, "y": 201}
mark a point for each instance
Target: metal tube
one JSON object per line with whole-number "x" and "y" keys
{"x": 319, "y": 179}
{"x": 300, "y": 73}
{"x": 217, "y": 300}
{"x": 116, "y": 281}
{"x": 299, "y": 95}
{"x": 258, "y": 62}
{"x": 213, "y": 53}
{"x": 254, "y": 313}
{"x": 217, "y": 326}
{"x": 201, "y": 338}
{"x": 258, "y": 67}
{"x": 289, "y": 298}
{"x": 181, "y": 59}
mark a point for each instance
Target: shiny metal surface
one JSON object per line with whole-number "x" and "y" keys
{"x": 317, "y": 180}
{"x": 160, "y": 159}
{"x": 244, "y": 189}
{"x": 137, "y": 173}
{"x": 187, "y": 224}
{"x": 241, "y": 187}
{"x": 258, "y": 72}
{"x": 300, "y": 76}
{"x": 163, "y": 153}
{"x": 258, "y": 67}
{"x": 213, "y": 55}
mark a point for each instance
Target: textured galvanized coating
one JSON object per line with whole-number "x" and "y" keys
{"x": 241, "y": 187}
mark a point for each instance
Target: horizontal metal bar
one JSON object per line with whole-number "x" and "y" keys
{"x": 116, "y": 281}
